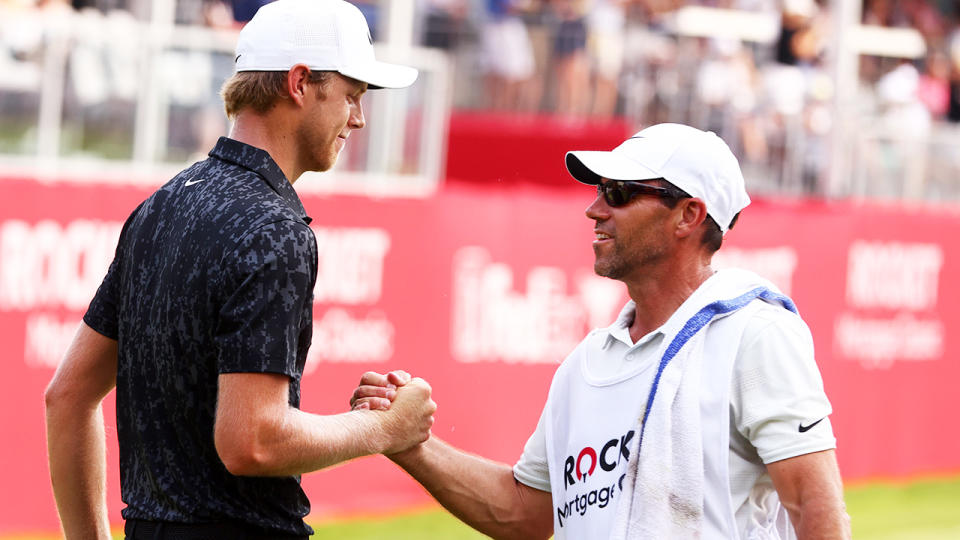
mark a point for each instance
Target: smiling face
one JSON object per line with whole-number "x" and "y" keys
{"x": 629, "y": 238}
{"x": 328, "y": 121}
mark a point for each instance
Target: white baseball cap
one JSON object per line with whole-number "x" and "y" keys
{"x": 325, "y": 35}
{"x": 698, "y": 162}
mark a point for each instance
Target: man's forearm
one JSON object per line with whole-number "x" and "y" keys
{"x": 298, "y": 442}
{"x": 257, "y": 433}
{"x": 823, "y": 519}
{"x": 77, "y": 453}
{"x": 481, "y": 492}
{"x": 75, "y": 436}
{"x": 811, "y": 490}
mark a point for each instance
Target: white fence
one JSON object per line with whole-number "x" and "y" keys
{"x": 109, "y": 98}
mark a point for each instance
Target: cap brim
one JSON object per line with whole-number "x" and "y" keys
{"x": 382, "y": 74}
{"x": 589, "y": 167}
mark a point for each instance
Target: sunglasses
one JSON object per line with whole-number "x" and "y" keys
{"x": 619, "y": 193}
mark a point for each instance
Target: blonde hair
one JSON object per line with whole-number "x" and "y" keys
{"x": 260, "y": 90}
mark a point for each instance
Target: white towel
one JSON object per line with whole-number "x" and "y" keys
{"x": 663, "y": 490}
{"x": 663, "y": 493}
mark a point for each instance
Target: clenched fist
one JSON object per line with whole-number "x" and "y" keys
{"x": 408, "y": 421}
{"x": 403, "y": 406}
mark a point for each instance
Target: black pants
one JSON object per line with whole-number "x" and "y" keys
{"x": 138, "y": 529}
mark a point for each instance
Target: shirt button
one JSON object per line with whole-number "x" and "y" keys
{"x": 630, "y": 356}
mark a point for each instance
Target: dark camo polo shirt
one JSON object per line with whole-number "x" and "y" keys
{"x": 213, "y": 274}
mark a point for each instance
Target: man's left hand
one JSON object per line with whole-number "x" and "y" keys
{"x": 377, "y": 391}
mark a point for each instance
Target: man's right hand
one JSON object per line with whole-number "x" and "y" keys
{"x": 410, "y": 417}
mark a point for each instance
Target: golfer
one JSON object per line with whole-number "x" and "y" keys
{"x": 204, "y": 318}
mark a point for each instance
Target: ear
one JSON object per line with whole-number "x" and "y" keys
{"x": 691, "y": 213}
{"x": 298, "y": 77}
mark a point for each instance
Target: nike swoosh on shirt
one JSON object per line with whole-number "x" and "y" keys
{"x": 192, "y": 182}
{"x": 804, "y": 429}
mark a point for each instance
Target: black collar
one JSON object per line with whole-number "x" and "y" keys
{"x": 260, "y": 162}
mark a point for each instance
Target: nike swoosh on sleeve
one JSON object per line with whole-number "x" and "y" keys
{"x": 804, "y": 429}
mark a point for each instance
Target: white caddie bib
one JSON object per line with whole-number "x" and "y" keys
{"x": 592, "y": 428}
{"x": 589, "y": 434}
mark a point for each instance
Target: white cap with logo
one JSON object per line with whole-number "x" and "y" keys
{"x": 325, "y": 35}
{"x": 698, "y": 162}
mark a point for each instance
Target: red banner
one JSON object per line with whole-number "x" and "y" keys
{"x": 482, "y": 292}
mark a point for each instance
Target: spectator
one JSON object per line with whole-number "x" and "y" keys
{"x": 934, "y": 85}
{"x": 605, "y": 44}
{"x": 444, "y": 22}
{"x": 569, "y": 52}
{"x": 906, "y": 124}
{"x": 801, "y": 33}
{"x": 507, "y": 53}
{"x": 953, "y": 110}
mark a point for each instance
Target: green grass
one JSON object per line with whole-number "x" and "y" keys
{"x": 428, "y": 523}
{"x": 926, "y": 509}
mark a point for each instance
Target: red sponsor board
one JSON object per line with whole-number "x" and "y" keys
{"x": 507, "y": 148}
{"x": 482, "y": 291}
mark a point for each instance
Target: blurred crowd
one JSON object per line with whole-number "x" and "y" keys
{"x": 212, "y": 13}
{"x": 576, "y": 56}
{"x": 770, "y": 93}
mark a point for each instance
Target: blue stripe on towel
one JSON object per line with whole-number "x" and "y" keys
{"x": 694, "y": 325}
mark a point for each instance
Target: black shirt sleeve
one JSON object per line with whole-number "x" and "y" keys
{"x": 267, "y": 282}
{"x": 103, "y": 314}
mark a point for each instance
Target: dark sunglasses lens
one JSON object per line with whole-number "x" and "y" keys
{"x": 615, "y": 193}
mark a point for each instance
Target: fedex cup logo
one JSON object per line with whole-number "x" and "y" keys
{"x": 586, "y": 461}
